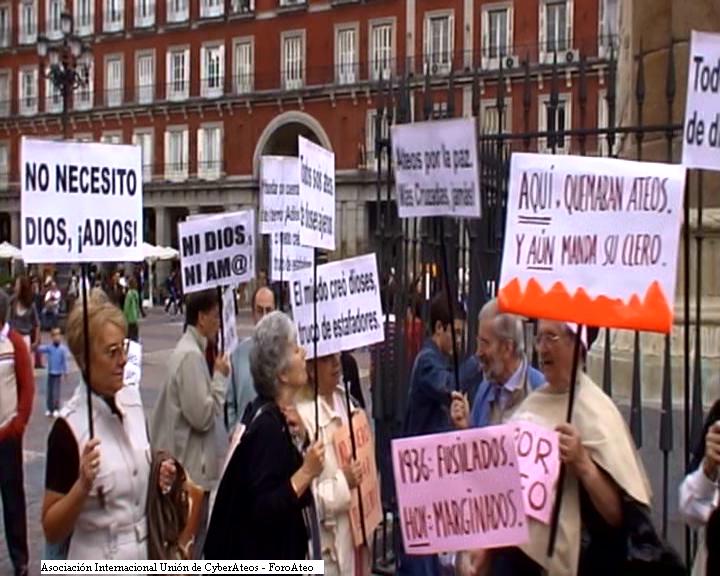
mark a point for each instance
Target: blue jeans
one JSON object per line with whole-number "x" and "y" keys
{"x": 53, "y": 392}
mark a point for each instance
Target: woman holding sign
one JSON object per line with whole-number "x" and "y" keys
{"x": 605, "y": 479}
{"x": 333, "y": 488}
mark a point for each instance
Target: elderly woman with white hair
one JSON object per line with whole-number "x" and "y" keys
{"x": 264, "y": 495}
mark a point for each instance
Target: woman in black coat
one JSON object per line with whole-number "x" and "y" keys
{"x": 264, "y": 507}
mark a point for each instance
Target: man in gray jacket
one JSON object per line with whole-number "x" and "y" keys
{"x": 183, "y": 422}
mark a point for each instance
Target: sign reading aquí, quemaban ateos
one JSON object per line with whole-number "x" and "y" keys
{"x": 80, "y": 202}
{"x": 701, "y": 139}
{"x": 349, "y": 313}
{"x": 217, "y": 251}
{"x": 436, "y": 168}
{"x": 592, "y": 240}
{"x": 459, "y": 491}
{"x": 317, "y": 195}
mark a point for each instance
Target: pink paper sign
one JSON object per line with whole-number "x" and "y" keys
{"x": 459, "y": 491}
{"x": 538, "y": 455}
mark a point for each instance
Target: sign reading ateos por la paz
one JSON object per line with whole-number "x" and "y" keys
{"x": 80, "y": 202}
{"x": 218, "y": 250}
{"x": 280, "y": 215}
{"x": 317, "y": 195}
{"x": 701, "y": 137}
{"x": 436, "y": 168}
{"x": 592, "y": 241}
{"x": 459, "y": 491}
{"x": 349, "y": 313}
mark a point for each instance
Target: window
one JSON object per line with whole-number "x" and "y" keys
{"x": 370, "y": 131}
{"x": 293, "y": 57}
{"x": 497, "y": 36}
{"x": 53, "y": 98}
{"x": 603, "y": 145}
{"x": 346, "y": 59}
{"x": 555, "y": 26}
{"x": 28, "y": 78}
{"x": 144, "y": 139}
{"x": 243, "y": 66}
{"x": 212, "y": 71}
{"x": 209, "y": 142}
{"x": 84, "y": 16}
{"x": 438, "y": 43}
{"x": 177, "y": 10}
{"x": 490, "y": 116}
{"x": 381, "y": 50}
{"x": 113, "y": 15}
{"x": 144, "y": 13}
{"x": 4, "y": 164}
{"x": 111, "y": 138}
{"x": 5, "y": 91}
{"x": 5, "y": 25}
{"x": 284, "y": 3}
{"x": 211, "y": 8}
{"x": 53, "y": 9}
{"x": 113, "y": 81}
{"x": 178, "y": 73}
{"x": 83, "y": 95}
{"x": 555, "y": 122}
{"x": 145, "y": 77}
{"x": 243, "y": 6}
{"x": 609, "y": 24}
{"x": 28, "y": 22}
{"x": 176, "y": 153}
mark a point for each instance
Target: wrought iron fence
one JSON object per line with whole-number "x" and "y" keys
{"x": 410, "y": 258}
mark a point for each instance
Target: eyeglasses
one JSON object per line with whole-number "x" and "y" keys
{"x": 117, "y": 351}
{"x": 547, "y": 338}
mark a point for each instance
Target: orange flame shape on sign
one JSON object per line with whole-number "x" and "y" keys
{"x": 652, "y": 313}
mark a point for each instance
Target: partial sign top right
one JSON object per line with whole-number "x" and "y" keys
{"x": 701, "y": 135}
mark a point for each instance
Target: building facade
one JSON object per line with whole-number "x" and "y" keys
{"x": 206, "y": 87}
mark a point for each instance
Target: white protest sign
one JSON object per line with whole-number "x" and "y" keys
{"x": 132, "y": 373}
{"x": 701, "y": 136}
{"x": 279, "y": 194}
{"x": 289, "y": 258}
{"x": 218, "y": 250}
{"x": 436, "y": 168}
{"x": 592, "y": 240}
{"x": 229, "y": 335}
{"x": 317, "y": 195}
{"x": 80, "y": 202}
{"x": 349, "y": 314}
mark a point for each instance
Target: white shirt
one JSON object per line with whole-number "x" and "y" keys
{"x": 699, "y": 496}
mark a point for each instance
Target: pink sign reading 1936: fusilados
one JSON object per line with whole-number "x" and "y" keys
{"x": 459, "y": 490}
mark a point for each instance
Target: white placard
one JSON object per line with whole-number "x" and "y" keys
{"x": 80, "y": 202}
{"x": 701, "y": 135}
{"x": 217, "y": 251}
{"x": 436, "y": 168}
{"x": 279, "y": 194}
{"x": 290, "y": 258}
{"x": 132, "y": 373}
{"x": 349, "y": 312}
{"x": 229, "y": 335}
{"x": 592, "y": 240}
{"x": 317, "y": 195}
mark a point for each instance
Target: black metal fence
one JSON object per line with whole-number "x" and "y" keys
{"x": 409, "y": 251}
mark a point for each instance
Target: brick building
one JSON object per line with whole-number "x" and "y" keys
{"x": 208, "y": 86}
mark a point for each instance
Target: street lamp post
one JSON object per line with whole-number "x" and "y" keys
{"x": 66, "y": 71}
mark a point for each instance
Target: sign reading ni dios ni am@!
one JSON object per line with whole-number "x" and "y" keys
{"x": 317, "y": 195}
{"x": 436, "y": 168}
{"x": 701, "y": 137}
{"x": 459, "y": 491}
{"x": 369, "y": 487}
{"x": 217, "y": 251}
{"x": 80, "y": 202}
{"x": 592, "y": 241}
{"x": 349, "y": 313}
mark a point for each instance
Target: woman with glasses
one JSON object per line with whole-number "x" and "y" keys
{"x": 96, "y": 489}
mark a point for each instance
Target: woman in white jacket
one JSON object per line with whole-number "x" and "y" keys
{"x": 333, "y": 488}
{"x": 699, "y": 494}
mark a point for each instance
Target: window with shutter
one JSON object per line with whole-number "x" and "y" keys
{"x": 28, "y": 22}
{"x": 53, "y": 9}
{"x": 83, "y": 95}
{"x": 176, "y": 157}
{"x": 113, "y": 81}
{"x": 244, "y": 67}
{"x": 381, "y": 51}
{"x": 178, "y": 70}
{"x": 346, "y": 56}
{"x": 212, "y": 71}
{"x": 145, "y": 141}
{"x": 113, "y": 21}
{"x": 144, "y": 13}
{"x": 177, "y": 10}
{"x": 555, "y": 121}
{"x": 556, "y": 26}
{"x": 209, "y": 152}
{"x": 28, "y": 91}
{"x": 438, "y": 43}
{"x": 211, "y": 8}
{"x": 145, "y": 78}
{"x": 292, "y": 64}
{"x": 5, "y": 25}
{"x": 84, "y": 15}
{"x": 5, "y": 93}
{"x": 4, "y": 164}
{"x": 53, "y": 98}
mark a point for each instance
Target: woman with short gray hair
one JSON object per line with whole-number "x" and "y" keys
{"x": 258, "y": 513}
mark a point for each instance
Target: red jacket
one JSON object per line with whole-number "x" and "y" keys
{"x": 25, "y": 379}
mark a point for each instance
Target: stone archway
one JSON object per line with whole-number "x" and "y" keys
{"x": 279, "y": 137}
